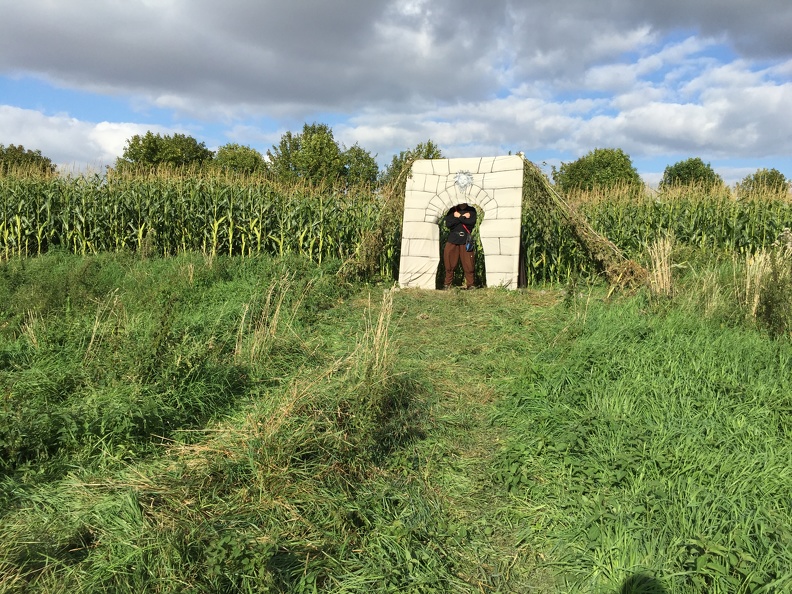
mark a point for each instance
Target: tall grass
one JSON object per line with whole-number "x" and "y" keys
{"x": 109, "y": 352}
{"x": 654, "y": 444}
{"x": 200, "y": 423}
{"x": 282, "y": 486}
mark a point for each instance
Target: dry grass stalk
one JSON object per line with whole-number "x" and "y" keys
{"x": 31, "y": 323}
{"x": 103, "y": 311}
{"x": 711, "y": 292}
{"x": 256, "y": 343}
{"x": 378, "y": 339}
{"x": 765, "y": 266}
{"x": 757, "y": 266}
{"x": 660, "y": 281}
{"x": 267, "y": 324}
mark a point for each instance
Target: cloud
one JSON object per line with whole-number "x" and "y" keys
{"x": 313, "y": 55}
{"x": 711, "y": 78}
{"x": 71, "y": 144}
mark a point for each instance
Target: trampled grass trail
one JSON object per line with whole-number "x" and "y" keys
{"x": 603, "y": 446}
{"x": 261, "y": 426}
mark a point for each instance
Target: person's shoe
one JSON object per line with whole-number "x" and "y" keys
{"x": 446, "y": 287}
{"x": 470, "y": 288}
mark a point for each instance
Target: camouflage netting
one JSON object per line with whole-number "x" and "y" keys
{"x": 609, "y": 260}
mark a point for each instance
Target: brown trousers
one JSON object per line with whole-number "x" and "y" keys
{"x": 452, "y": 254}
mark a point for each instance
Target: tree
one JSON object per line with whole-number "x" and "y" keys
{"x": 312, "y": 156}
{"x": 153, "y": 150}
{"x": 360, "y": 166}
{"x": 763, "y": 181}
{"x": 600, "y": 168}
{"x": 16, "y": 158}
{"x": 240, "y": 159}
{"x": 692, "y": 171}
{"x": 398, "y": 164}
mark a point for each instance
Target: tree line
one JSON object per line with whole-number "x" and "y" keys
{"x": 313, "y": 156}
{"x": 609, "y": 167}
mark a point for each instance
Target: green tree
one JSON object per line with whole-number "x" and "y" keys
{"x": 763, "y": 181}
{"x": 16, "y": 158}
{"x": 689, "y": 172}
{"x": 315, "y": 157}
{"x": 360, "y": 166}
{"x": 154, "y": 150}
{"x": 600, "y": 168}
{"x": 238, "y": 158}
{"x": 312, "y": 156}
{"x": 396, "y": 170}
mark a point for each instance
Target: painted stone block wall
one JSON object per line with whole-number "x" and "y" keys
{"x": 492, "y": 183}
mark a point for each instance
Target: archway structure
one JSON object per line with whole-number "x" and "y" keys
{"x": 492, "y": 183}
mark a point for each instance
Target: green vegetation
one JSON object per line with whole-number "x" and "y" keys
{"x": 196, "y": 424}
{"x": 209, "y": 385}
{"x": 691, "y": 172}
{"x": 599, "y": 169}
{"x": 15, "y": 158}
{"x": 178, "y": 213}
{"x": 763, "y": 181}
{"x": 313, "y": 157}
{"x": 709, "y": 220}
{"x": 400, "y": 163}
{"x": 238, "y": 159}
{"x": 226, "y": 213}
{"x": 155, "y": 150}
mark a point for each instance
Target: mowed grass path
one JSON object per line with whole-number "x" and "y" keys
{"x": 472, "y": 345}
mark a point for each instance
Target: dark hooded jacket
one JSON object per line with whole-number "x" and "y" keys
{"x": 456, "y": 225}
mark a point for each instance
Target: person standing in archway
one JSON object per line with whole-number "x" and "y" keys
{"x": 460, "y": 221}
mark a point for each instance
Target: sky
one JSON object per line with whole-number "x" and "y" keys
{"x": 662, "y": 81}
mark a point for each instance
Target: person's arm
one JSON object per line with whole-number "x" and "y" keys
{"x": 453, "y": 219}
{"x": 470, "y": 221}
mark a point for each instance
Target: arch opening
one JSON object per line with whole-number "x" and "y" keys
{"x": 493, "y": 185}
{"x": 480, "y": 269}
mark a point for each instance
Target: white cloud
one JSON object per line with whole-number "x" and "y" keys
{"x": 563, "y": 77}
{"x": 70, "y": 143}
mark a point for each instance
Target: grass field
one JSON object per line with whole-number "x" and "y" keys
{"x": 217, "y": 424}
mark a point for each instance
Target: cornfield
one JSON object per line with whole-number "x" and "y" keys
{"x": 166, "y": 215}
{"x": 715, "y": 222}
{"x": 174, "y": 213}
